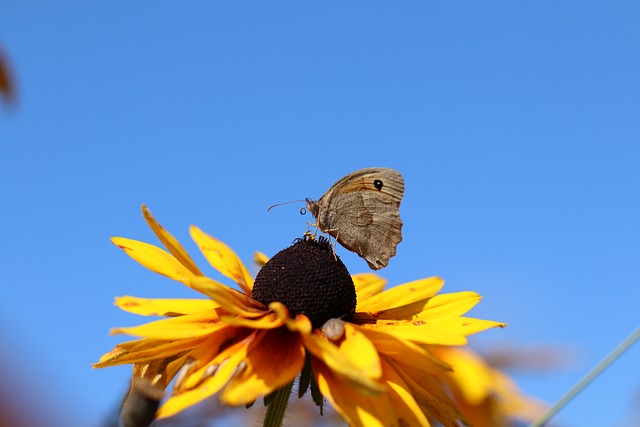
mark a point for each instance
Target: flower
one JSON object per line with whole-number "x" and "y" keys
{"x": 369, "y": 357}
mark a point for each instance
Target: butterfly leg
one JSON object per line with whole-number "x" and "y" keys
{"x": 308, "y": 232}
{"x": 335, "y": 242}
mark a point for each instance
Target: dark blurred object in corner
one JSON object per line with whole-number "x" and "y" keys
{"x": 7, "y": 85}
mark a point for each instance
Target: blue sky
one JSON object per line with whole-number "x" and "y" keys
{"x": 515, "y": 124}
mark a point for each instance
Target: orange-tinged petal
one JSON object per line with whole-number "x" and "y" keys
{"x": 272, "y": 362}
{"x": 155, "y": 259}
{"x": 229, "y": 299}
{"x": 164, "y": 307}
{"x": 408, "y": 410}
{"x": 300, "y": 323}
{"x": 280, "y": 309}
{"x": 268, "y": 321}
{"x": 175, "y": 328}
{"x": 406, "y": 351}
{"x": 158, "y": 371}
{"x": 223, "y": 259}
{"x": 174, "y": 367}
{"x": 368, "y": 284}
{"x": 357, "y": 409}
{"x": 208, "y": 387}
{"x": 401, "y": 295}
{"x": 170, "y": 242}
{"x": 214, "y": 351}
{"x": 144, "y": 350}
{"x": 342, "y": 364}
{"x": 218, "y": 342}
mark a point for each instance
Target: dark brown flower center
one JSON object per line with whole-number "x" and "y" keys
{"x": 308, "y": 279}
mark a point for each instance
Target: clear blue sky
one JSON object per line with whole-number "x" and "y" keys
{"x": 515, "y": 124}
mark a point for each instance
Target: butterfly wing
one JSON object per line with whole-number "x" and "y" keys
{"x": 361, "y": 211}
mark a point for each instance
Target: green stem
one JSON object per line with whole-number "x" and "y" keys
{"x": 277, "y": 407}
{"x": 597, "y": 370}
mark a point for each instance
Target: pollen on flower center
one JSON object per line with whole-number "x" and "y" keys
{"x": 308, "y": 279}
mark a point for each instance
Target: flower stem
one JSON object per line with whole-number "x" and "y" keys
{"x": 597, "y": 370}
{"x": 277, "y": 407}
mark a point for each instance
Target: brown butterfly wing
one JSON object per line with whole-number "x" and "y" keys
{"x": 361, "y": 211}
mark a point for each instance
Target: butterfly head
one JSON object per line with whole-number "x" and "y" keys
{"x": 313, "y": 207}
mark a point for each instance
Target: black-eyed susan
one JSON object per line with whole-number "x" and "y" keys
{"x": 364, "y": 349}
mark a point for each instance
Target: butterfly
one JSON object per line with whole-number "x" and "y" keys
{"x": 362, "y": 212}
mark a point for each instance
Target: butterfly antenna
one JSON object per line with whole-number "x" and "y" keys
{"x": 284, "y": 203}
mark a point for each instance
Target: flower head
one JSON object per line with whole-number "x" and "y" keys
{"x": 308, "y": 280}
{"x": 365, "y": 349}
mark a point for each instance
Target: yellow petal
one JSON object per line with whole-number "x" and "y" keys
{"x": 401, "y": 295}
{"x": 368, "y": 284}
{"x": 164, "y": 307}
{"x": 406, "y": 351}
{"x": 229, "y": 299}
{"x": 170, "y": 242}
{"x": 155, "y": 259}
{"x": 174, "y": 328}
{"x": 464, "y": 326}
{"x": 356, "y": 409}
{"x": 270, "y": 364}
{"x": 361, "y": 351}
{"x": 260, "y": 259}
{"x": 144, "y": 350}
{"x": 429, "y": 394}
{"x": 342, "y": 365}
{"x": 449, "y": 305}
{"x": 473, "y": 377}
{"x": 223, "y": 259}
{"x": 418, "y": 332}
{"x": 514, "y": 402}
{"x": 438, "y": 306}
{"x": 401, "y": 398}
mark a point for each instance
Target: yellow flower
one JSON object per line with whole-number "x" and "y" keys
{"x": 369, "y": 357}
{"x": 487, "y": 396}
